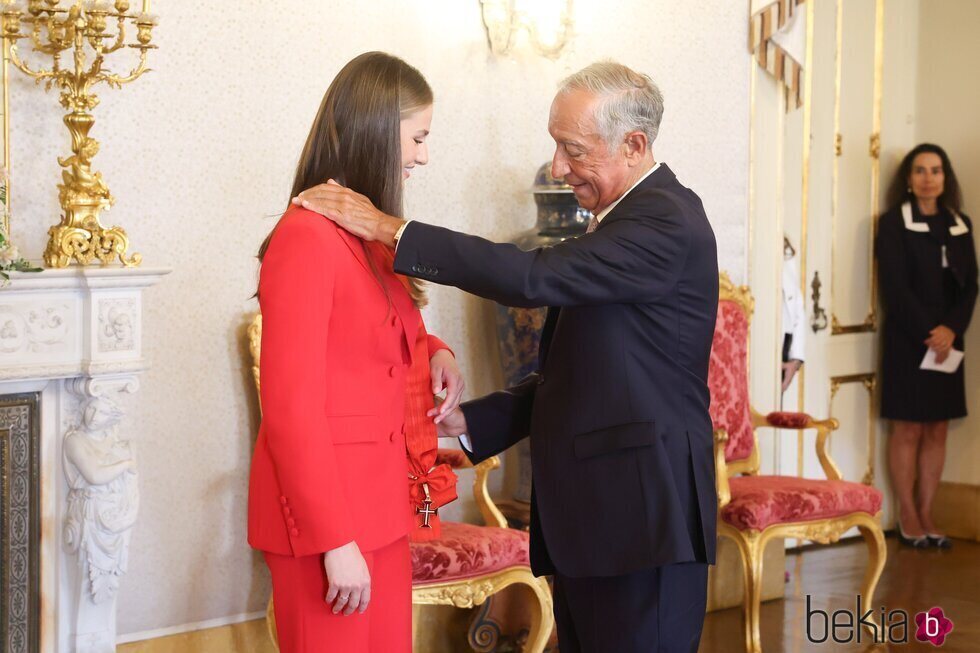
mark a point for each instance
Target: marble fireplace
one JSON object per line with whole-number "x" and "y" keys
{"x": 70, "y": 350}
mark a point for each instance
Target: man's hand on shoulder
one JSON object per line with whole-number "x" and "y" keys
{"x": 351, "y": 211}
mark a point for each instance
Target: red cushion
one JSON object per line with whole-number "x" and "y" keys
{"x": 788, "y": 420}
{"x": 760, "y": 501}
{"x": 465, "y": 551}
{"x": 728, "y": 381}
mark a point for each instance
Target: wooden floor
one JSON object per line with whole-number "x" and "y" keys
{"x": 912, "y": 580}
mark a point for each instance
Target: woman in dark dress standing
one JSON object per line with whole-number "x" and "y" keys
{"x": 928, "y": 279}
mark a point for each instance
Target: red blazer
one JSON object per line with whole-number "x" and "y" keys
{"x": 329, "y": 465}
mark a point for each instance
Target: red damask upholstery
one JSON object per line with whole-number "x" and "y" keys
{"x": 466, "y": 551}
{"x": 788, "y": 420}
{"x": 728, "y": 381}
{"x": 760, "y": 501}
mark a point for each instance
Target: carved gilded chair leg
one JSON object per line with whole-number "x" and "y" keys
{"x": 877, "y": 554}
{"x": 542, "y": 618}
{"x": 750, "y": 547}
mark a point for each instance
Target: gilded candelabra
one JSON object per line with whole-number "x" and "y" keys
{"x": 82, "y": 29}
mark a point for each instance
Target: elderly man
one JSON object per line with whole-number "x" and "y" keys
{"x": 623, "y": 508}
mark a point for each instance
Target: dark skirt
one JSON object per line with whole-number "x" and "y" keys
{"x": 914, "y": 395}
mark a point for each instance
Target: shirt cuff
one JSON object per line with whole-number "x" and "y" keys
{"x": 398, "y": 234}
{"x": 464, "y": 440}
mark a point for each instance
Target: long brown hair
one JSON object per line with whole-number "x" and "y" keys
{"x": 900, "y": 192}
{"x": 356, "y": 137}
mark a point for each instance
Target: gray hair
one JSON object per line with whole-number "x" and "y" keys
{"x": 630, "y": 101}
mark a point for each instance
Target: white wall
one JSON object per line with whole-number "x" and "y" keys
{"x": 946, "y": 101}
{"x": 200, "y": 155}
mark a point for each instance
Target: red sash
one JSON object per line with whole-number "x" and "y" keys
{"x": 430, "y": 486}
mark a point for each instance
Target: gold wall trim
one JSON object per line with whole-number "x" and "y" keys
{"x": 870, "y": 323}
{"x": 6, "y": 130}
{"x": 805, "y": 209}
{"x": 870, "y": 382}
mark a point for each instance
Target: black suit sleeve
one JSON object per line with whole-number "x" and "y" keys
{"x": 904, "y": 308}
{"x": 499, "y": 420}
{"x": 635, "y": 257}
{"x": 958, "y": 317}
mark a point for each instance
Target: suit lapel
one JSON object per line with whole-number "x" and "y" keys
{"x": 401, "y": 300}
{"x": 406, "y": 311}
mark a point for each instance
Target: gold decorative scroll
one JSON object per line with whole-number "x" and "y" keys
{"x": 870, "y": 383}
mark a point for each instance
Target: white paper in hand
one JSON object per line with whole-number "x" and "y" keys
{"x": 950, "y": 365}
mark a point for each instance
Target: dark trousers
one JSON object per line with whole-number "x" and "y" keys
{"x": 658, "y": 610}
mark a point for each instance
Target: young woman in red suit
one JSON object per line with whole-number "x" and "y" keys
{"x": 345, "y": 454}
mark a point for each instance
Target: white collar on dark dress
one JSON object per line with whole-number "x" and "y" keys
{"x": 957, "y": 229}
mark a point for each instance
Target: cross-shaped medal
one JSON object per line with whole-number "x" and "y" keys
{"x": 426, "y": 509}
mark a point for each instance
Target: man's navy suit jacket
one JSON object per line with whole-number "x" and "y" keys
{"x": 617, "y": 413}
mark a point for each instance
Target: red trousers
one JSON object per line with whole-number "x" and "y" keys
{"x": 306, "y": 623}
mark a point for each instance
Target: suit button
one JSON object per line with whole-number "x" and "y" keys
{"x": 294, "y": 532}
{"x": 282, "y": 500}
{"x": 415, "y": 268}
{"x": 391, "y": 371}
{"x": 286, "y": 511}
{"x": 291, "y": 522}
{"x": 435, "y": 272}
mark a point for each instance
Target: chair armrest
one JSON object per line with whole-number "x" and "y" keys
{"x": 793, "y": 421}
{"x": 801, "y": 421}
{"x": 491, "y": 513}
{"x": 457, "y": 459}
{"x": 721, "y": 468}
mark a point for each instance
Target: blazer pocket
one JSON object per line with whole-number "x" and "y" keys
{"x": 614, "y": 438}
{"x": 348, "y": 429}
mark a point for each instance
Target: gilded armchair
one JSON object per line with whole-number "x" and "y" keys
{"x": 753, "y": 508}
{"x": 468, "y": 563}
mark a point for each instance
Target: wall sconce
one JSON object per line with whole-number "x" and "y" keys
{"x": 548, "y": 24}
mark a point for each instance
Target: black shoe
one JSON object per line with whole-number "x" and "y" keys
{"x": 939, "y": 541}
{"x": 920, "y": 542}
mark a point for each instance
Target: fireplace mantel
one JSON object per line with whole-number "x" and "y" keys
{"x": 74, "y": 338}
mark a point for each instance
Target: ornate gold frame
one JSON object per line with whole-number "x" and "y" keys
{"x": 459, "y": 593}
{"x": 751, "y": 543}
{"x": 870, "y": 323}
{"x": 805, "y": 207}
{"x": 870, "y": 382}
